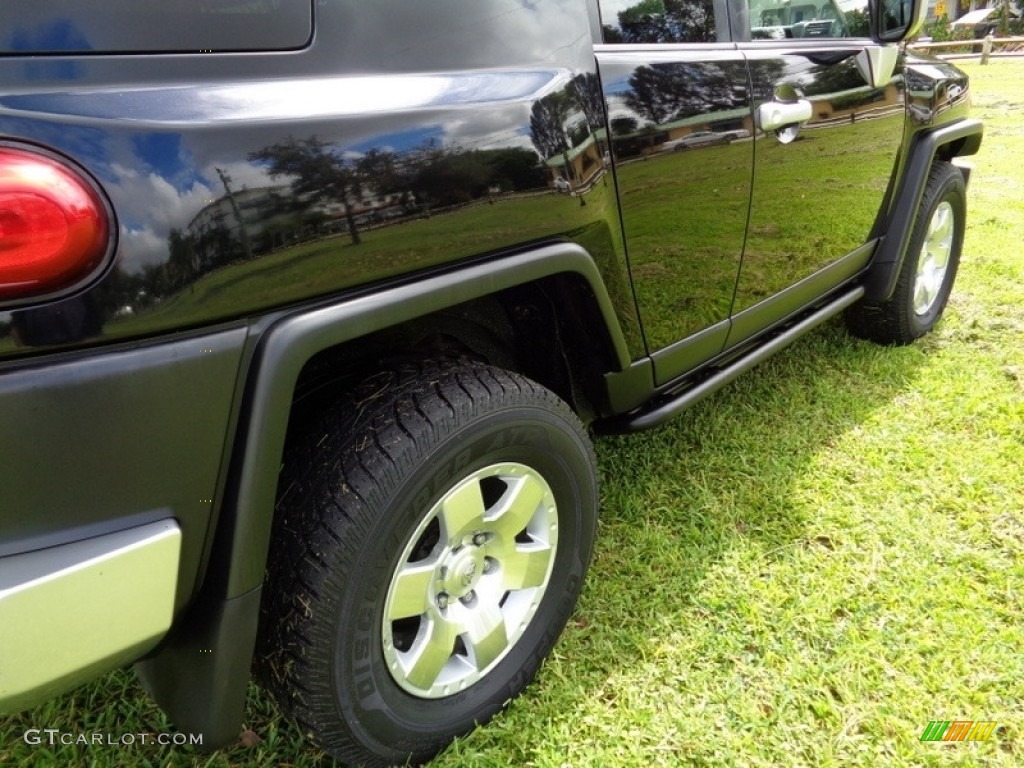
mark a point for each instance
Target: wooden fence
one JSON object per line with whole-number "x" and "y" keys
{"x": 1014, "y": 46}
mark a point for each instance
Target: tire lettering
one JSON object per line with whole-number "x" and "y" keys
{"x": 422, "y": 499}
{"x": 365, "y": 620}
{"x": 362, "y": 649}
{"x": 463, "y": 459}
{"x": 500, "y": 440}
{"x": 518, "y": 436}
{"x": 364, "y": 687}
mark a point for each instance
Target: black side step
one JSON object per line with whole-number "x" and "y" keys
{"x": 660, "y": 409}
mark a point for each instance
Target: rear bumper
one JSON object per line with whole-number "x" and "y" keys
{"x": 70, "y": 612}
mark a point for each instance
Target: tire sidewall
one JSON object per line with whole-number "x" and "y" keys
{"x": 367, "y": 696}
{"x": 951, "y": 189}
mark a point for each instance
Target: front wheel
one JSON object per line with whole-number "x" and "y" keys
{"x": 430, "y": 543}
{"x": 929, "y": 267}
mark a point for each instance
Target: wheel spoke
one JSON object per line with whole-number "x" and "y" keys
{"x": 942, "y": 224}
{"x": 492, "y": 540}
{"x": 940, "y": 238}
{"x": 933, "y": 260}
{"x": 920, "y": 295}
{"x": 410, "y": 591}
{"x": 485, "y": 637}
{"x": 924, "y": 287}
{"x": 517, "y": 507}
{"x": 462, "y": 512}
{"x": 526, "y": 566}
{"x": 430, "y": 653}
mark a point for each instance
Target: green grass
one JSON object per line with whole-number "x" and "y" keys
{"x": 802, "y": 570}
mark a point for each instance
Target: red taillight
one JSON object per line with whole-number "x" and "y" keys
{"x": 54, "y": 229}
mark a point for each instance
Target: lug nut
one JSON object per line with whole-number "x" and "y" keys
{"x": 468, "y": 598}
{"x": 480, "y": 539}
{"x": 442, "y": 600}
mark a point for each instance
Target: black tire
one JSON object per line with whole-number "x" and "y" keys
{"x": 921, "y": 292}
{"x": 357, "y": 508}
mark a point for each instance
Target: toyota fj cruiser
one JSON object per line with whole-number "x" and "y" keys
{"x": 307, "y": 310}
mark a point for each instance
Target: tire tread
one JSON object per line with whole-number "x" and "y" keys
{"x": 889, "y": 322}
{"x": 376, "y": 430}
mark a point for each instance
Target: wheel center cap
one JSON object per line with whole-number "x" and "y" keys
{"x": 462, "y": 571}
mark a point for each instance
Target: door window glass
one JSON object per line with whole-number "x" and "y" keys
{"x": 659, "y": 21}
{"x": 804, "y": 19}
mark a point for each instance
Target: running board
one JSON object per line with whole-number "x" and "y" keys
{"x": 662, "y": 408}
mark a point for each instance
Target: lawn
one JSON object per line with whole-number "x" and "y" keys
{"x": 802, "y": 570}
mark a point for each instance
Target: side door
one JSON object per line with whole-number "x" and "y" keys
{"x": 679, "y": 118}
{"x": 829, "y": 109}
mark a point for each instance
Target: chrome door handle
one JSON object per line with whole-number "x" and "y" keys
{"x": 773, "y": 115}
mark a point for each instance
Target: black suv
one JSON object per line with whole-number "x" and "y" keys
{"x": 308, "y": 310}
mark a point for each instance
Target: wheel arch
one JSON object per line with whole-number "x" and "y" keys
{"x": 944, "y": 143}
{"x": 203, "y": 691}
{"x": 291, "y": 342}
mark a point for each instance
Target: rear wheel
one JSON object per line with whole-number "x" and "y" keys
{"x": 929, "y": 267}
{"x": 430, "y": 543}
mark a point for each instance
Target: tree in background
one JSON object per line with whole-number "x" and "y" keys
{"x": 548, "y": 119}
{"x": 664, "y": 21}
{"x": 318, "y": 174}
{"x": 857, "y": 23}
{"x": 666, "y": 92}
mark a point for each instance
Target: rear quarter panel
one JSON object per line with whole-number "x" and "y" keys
{"x": 443, "y": 129}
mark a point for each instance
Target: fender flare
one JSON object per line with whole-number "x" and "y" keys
{"x": 290, "y": 342}
{"x": 884, "y": 270}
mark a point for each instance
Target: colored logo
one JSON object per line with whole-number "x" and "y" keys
{"x": 958, "y": 730}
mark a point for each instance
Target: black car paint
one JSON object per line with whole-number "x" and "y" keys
{"x": 186, "y": 115}
{"x": 174, "y": 150}
{"x": 169, "y": 137}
